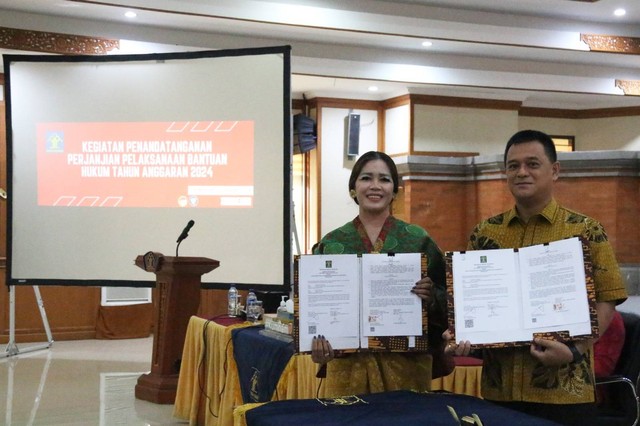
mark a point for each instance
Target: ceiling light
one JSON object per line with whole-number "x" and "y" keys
{"x": 130, "y": 14}
{"x": 373, "y": 88}
{"x": 619, "y": 12}
{"x": 427, "y": 43}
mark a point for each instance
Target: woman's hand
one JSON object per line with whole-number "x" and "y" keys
{"x": 451, "y": 348}
{"x": 424, "y": 290}
{"x": 321, "y": 350}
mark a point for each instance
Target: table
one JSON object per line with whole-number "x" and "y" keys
{"x": 209, "y": 387}
{"x": 382, "y": 409}
{"x": 465, "y": 378}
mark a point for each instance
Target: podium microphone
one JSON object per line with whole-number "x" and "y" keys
{"x": 184, "y": 234}
{"x": 185, "y": 231}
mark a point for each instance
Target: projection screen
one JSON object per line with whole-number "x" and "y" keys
{"x": 111, "y": 157}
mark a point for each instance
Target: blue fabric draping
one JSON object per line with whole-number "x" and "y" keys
{"x": 260, "y": 360}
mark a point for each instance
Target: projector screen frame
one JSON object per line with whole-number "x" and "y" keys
{"x": 286, "y": 149}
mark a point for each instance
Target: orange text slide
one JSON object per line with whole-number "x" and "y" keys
{"x": 146, "y": 164}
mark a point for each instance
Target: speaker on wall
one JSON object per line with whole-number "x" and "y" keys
{"x": 353, "y": 134}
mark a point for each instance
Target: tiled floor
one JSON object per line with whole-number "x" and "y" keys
{"x": 88, "y": 382}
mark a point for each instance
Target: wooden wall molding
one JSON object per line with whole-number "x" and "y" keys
{"x": 630, "y": 87}
{"x": 579, "y": 113}
{"x": 66, "y": 44}
{"x": 487, "y": 104}
{"x": 396, "y": 102}
{"x": 298, "y": 104}
{"x": 610, "y": 43}
{"x": 445, "y": 153}
{"x": 453, "y": 101}
{"x": 345, "y": 103}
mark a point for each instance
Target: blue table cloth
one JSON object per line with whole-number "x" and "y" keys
{"x": 404, "y": 408}
{"x": 260, "y": 360}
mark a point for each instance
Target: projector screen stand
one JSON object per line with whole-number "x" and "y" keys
{"x": 12, "y": 348}
{"x": 295, "y": 228}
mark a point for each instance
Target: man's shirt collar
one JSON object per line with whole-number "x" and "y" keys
{"x": 548, "y": 213}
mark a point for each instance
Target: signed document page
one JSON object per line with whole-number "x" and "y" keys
{"x": 389, "y": 307}
{"x": 487, "y": 295}
{"x": 506, "y": 295}
{"x": 329, "y": 297}
{"x": 553, "y": 281}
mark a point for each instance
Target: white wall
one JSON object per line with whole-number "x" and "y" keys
{"x": 450, "y": 129}
{"x": 551, "y": 126}
{"x": 486, "y": 131}
{"x": 396, "y": 130}
{"x": 337, "y": 208}
{"x": 592, "y": 134}
{"x": 621, "y": 133}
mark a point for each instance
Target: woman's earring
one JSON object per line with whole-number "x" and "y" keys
{"x": 352, "y": 193}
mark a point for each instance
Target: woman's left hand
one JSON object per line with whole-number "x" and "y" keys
{"x": 321, "y": 350}
{"x": 424, "y": 289}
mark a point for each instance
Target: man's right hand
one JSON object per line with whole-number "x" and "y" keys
{"x": 451, "y": 348}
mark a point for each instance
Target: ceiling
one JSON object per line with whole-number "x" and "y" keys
{"x": 521, "y": 50}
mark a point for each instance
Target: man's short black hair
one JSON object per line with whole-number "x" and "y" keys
{"x": 525, "y": 136}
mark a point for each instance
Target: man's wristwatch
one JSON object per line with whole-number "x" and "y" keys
{"x": 577, "y": 356}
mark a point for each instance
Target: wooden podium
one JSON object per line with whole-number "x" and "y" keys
{"x": 178, "y": 298}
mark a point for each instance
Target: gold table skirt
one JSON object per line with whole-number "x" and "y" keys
{"x": 209, "y": 387}
{"x": 465, "y": 379}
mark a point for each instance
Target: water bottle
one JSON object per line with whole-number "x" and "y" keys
{"x": 232, "y": 305}
{"x": 281, "y": 312}
{"x": 252, "y": 313}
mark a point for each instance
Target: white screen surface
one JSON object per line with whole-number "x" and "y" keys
{"x": 111, "y": 157}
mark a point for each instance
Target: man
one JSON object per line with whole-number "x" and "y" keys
{"x": 549, "y": 379}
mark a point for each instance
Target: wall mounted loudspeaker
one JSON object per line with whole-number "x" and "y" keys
{"x": 353, "y": 134}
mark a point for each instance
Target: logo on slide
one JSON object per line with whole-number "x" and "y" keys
{"x": 55, "y": 142}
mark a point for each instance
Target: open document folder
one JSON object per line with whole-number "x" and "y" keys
{"x": 360, "y": 302}
{"x": 505, "y": 297}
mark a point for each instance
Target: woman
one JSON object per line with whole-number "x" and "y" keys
{"x": 373, "y": 185}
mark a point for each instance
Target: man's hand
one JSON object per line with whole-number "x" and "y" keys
{"x": 451, "y": 348}
{"x": 551, "y": 353}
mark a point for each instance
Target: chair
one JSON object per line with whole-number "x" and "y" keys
{"x": 622, "y": 405}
